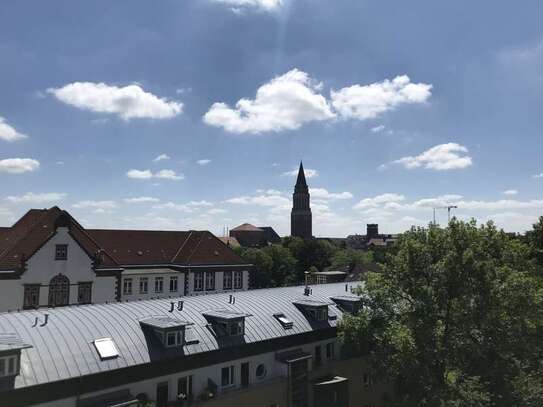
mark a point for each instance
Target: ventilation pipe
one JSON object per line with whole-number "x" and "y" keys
{"x": 172, "y": 306}
{"x": 46, "y": 320}
{"x": 179, "y": 305}
{"x": 35, "y": 322}
{"x": 230, "y": 300}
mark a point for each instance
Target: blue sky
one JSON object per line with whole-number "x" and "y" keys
{"x": 185, "y": 114}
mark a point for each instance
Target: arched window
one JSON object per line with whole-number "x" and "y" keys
{"x": 59, "y": 291}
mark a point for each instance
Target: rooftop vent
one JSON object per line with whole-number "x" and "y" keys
{"x": 106, "y": 348}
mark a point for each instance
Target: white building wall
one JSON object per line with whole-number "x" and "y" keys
{"x": 151, "y": 276}
{"x": 275, "y": 369}
{"x": 219, "y": 280}
{"x": 42, "y": 267}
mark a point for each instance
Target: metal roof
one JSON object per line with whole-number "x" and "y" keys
{"x": 11, "y": 341}
{"x": 162, "y": 322}
{"x": 225, "y": 314}
{"x": 64, "y": 347}
{"x": 347, "y": 298}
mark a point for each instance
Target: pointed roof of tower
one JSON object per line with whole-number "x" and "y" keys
{"x": 300, "y": 182}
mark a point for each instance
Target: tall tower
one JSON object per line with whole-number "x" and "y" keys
{"x": 300, "y": 217}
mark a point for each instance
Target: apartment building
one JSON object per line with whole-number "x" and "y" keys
{"x": 47, "y": 259}
{"x": 271, "y": 347}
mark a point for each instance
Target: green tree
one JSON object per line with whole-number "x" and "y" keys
{"x": 454, "y": 319}
{"x": 262, "y": 274}
{"x": 283, "y": 265}
{"x": 349, "y": 258}
{"x": 309, "y": 252}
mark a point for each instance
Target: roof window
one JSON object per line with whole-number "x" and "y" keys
{"x": 284, "y": 321}
{"x": 106, "y": 348}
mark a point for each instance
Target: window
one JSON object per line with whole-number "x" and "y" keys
{"x": 284, "y": 321}
{"x": 227, "y": 280}
{"x": 144, "y": 285}
{"x": 59, "y": 291}
{"x": 318, "y": 358}
{"x": 367, "y": 380}
{"x": 319, "y": 314}
{"x": 227, "y": 376}
{"x": 184, "y": 388}
{"x": 330, "y": 350}
{"x": 236, "y": 328}
{"x": 238, "y": 279}
{"x": 174, "y": 338}
{"x": 198, "y": 281}
{"x": 84, "y": 293}
{"x": 106, "y": 348}
{"x": 127, "y": 286}
{"x": 61, "y": 252}
{"x": 159, "y": 284}
{"x": 210, "y": 280}
{"x": 261, "y": 371}
{"x": 173, "y": 284}
{"x": 8, "y": 366}
{"x": 32, "y": 296}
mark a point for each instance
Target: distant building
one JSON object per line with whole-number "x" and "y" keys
{"x": 248, "y": 235}
{"x": 270, "y": 347}
{"x": 47, "y": 259}
{"x": 300, "y": 217}
{"x": 372, "y": 239}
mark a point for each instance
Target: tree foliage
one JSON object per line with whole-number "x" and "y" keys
{"x": 454, "y": 319}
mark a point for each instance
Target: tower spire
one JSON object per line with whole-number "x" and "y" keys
{"x": 300, "y": 217}
{"x": 301, "y": 183}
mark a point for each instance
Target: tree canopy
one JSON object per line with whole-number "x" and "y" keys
{"x": 455, "y": 318}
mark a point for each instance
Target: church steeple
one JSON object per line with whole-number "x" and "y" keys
{"x": 300, "y": 217}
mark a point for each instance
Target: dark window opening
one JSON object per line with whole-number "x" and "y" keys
{"x": 61, "y": 252}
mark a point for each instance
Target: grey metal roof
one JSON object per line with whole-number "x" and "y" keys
{"x": 311, "y": 302}
{"x": 64, "y": 347}
{"x": 347, "y": 298}
{"x": 225, "y": 314}
{"x": 164, "y": 322}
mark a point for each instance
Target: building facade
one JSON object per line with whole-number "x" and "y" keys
{"x": 301, "y": 217}
{"x": 270, "y": 347}
{"x": 47, "y": 259}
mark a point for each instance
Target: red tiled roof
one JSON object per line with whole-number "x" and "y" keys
{"x": 112, "y": 248}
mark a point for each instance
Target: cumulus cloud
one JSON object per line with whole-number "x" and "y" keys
{"x": 309, "y": 173}
{"x": 262, "y": 199}
{"x": 285, "y": 103}
{"x": 162, "y": 157}
{"x": 388, "y": 200}
{"x": 8, "y": 133}
{"x": 128, "y": 102}
{"x": 364, "y": 102}
{"x": 293, "y": 99}
{"x": 141, "y": 199}
{"x": 323, "y": 194}
{"x": 148, "y": 174}
{"x": 540, "y": 175}
{"x": 203, "y": 162}
{"x": 18, "y": 165}
{"x": 31, "y": 197}
{"x": 510, "y": 192}
{"x": 261, "y": 5}
{"x": 378, "y": 129}
{"x": 449, "y": 156}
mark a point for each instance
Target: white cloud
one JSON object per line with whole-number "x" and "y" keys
{"x": 31, "y": 197}
{"x": 99, "y": 205}
{"x": 203, "y": 162}
{"x": 263, "y": 199}
{"x": 176, "y": 207}
{"x": 364, "y": 102}
{"x": 323, "y": 194}
{"x": 141, "y": 199}
{"x": 18, "y": 165}
{"x": 449, "y": 156}
{"x": 377, "y": 129}
{"x": 510, "y": 192}
{"x": 8, "y": 133}
{"x": 309, "y": 173}
{"x": 148, "y": 174}
{"x": 216, "y": 211}
{"x": 285, "y": 103}
{"x": 127, "y": 102}
{"x": 540, "y": 175}
{"x": 383, "y": 200}
{"x": 162, "y": 157}
{"x": 262, "y": 5}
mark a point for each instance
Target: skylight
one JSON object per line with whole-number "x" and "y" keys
{"x": 284, "y": 321}
{"x": 106, "y": 348}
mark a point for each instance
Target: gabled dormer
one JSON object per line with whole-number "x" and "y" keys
{"x": 226, "y": 323}
{"x": 169, "y": 331}
{"x": 315, "y": 310}
{"x": 11, "y": 346}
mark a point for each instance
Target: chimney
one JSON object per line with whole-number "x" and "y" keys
{"x": 372, "y": 230}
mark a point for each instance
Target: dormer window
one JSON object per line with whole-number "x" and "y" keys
{"x": 226, "y": 323}
{"x": 61, "y": 252}
{"x": 10, "y": 355}
{"x": 169, "y": 331}
{"x": 348, "y": 303}
{"x": 9, "y": 365}
{"x": 314, "y": 309}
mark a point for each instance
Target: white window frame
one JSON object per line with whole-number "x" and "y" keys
{"x": 199, "y": 281}
{"x": 174, "y": 286}
{"x": 4, "y": 370}
{"x": 127, "y": 286}
{"x": 144, "y": 285}
{"x": 178, "y": 338}
{"x": 227, "y": 278}
{"x": 210, "y": 280}
{"x": 238, "y": 278}
{"x": 159, "y": 285}
{"x": 231, "y": 376}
